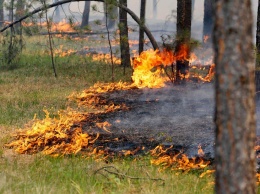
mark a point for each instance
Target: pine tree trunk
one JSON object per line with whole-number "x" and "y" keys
{"x": 1, "y": 13}
{"x": 123, "y": 28}
{"x": 257, "y": 74}
{"x": 208, "y": 22}
{"x": 85, "y": 17}
{"x": 235, "y": 98}
{"x": 183, "y": 36}
{"x": 141, "y": 31}
{"x": 258, "y": 36}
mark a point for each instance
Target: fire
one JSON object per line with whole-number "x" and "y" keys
{"x": 65, "y": 135}
{"x": 205, "y": 38}
{"x": 176, "y": 161}
{"x": 105, "y": 58}
{"x": 200, "y": 151}
{"x": 53, "y": 136}
{"x": 61, "y": 52}
{"x": 150, "y": 67}
{"x": 62, "y": 26}
{"x": 147, "y": 70}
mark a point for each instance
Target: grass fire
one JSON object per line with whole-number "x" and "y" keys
{"x": 95, "y": 102}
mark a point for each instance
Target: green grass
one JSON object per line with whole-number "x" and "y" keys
{"x": 27, "y": 88}
{"x": 79, "y": 175}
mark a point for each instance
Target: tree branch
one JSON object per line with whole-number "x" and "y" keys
{"x": 130, "y": 12}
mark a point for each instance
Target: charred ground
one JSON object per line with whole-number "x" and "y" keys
{"x": 174, "y": 115}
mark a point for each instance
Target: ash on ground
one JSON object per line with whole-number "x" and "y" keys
{"x": 174, "y": 115}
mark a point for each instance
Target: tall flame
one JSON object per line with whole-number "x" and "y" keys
{"x": 149, "y": 67}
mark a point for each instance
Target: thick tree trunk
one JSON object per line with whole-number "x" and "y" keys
{"x": 258, "y": 37}
{"x": 85, "y": 17}
{"x": 123, "y": 28}
{"x": 257, "y": 75}
{"x": 235, "y": 98}
{"x": 183, "y": 36}
{"x": 208, "y": 22}
{"x": 141, "y": 31}
{"x": 1, "y": 13}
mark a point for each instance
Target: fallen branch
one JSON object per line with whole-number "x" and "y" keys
{"x": 73, "y": 33}
{"x": 122, "y": 176}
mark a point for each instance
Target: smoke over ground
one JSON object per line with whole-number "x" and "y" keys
{"x": 174, "y": 115}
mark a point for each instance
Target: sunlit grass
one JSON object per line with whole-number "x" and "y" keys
{"x": 78, "y": 175}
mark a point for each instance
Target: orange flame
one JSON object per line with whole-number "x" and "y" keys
{"x": 149, "y": 67}
{"x": 176, "y": 161}
{"x": 53, "y": 136}
{"x": 105, "y": 58}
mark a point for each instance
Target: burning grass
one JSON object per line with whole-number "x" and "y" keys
{"x": 168, "y": 158}
{"x": 53, "y": 136}
{"x": 65, "y": 135}
{"x": 31, "y": 86}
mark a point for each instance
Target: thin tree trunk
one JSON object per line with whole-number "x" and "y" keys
{"x": 141, "y": 31}
{"x": 112, "y": 14}
{"x": 85, "y": 17}
{"x": 1, "y": 13}
{"x": 19, "y": 9}
{"x": 110, "y": 46}
{"x": 124, "y": 44}
{"x": 183, "y": 36}
{"x": 11, "y": 11}
{"x": 235, "y": 98}
{"x": 208, "y": 22}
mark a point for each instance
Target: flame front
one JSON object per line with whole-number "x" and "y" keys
{"x": 148, "y": 70}
{"x": 150, "y": 67}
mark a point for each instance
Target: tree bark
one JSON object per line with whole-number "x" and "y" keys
{"x": 123, "y": 28}
{"x": 183, "y": 36}
{"x": 208, "y": 22}
{"x": 257, "y": 62}
{"x": 85, "y": 17}
{"x": 235, "y": 98}
{"x": 141, "y": 31}
{"x": 1, "y": 13}
{"x": 258, "y": 37}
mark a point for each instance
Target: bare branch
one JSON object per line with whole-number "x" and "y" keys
{"x": 48, "y": 6}
{"x": 115, "y": 171}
